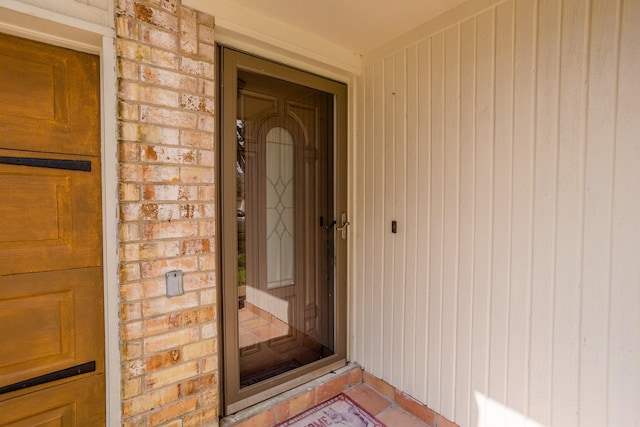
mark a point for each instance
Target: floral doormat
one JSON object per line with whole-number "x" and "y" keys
{"x": 338, "y": 411}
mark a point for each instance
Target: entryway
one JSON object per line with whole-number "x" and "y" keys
{"x": 52, "y": 360}
{"x": 284, "y": 227}
{"x": 378, "y": 398}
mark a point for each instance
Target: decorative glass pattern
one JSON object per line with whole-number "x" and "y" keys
{"x": 280, "y": 212}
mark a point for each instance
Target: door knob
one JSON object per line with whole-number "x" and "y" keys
{"x": 343, "y": 225}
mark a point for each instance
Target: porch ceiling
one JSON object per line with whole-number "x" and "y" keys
{"x": 355, "y": 25}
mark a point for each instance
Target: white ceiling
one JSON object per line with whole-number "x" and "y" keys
{"x": 356, "y": 25}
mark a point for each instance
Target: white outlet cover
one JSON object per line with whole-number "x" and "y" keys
{"x": 174, "y": 283}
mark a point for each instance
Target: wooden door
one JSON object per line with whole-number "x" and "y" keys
{"x": 51, "y": 291}
{"x": 286, "y": 158}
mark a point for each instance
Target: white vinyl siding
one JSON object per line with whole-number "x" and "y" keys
{"x": 507, "y": 148}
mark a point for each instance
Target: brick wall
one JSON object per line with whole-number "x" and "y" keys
{"x": 167, "y": 213}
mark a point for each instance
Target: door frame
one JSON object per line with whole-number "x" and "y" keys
{"x": 31, "y": 22}
{"x": 233, "y": 61}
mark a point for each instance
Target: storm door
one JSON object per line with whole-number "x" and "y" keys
{"x": 283, "y": 227}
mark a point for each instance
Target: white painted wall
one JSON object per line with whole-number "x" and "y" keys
{"x": 506, "y": 143}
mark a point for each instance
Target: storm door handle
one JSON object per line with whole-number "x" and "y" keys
{"x": 343, "y": 227}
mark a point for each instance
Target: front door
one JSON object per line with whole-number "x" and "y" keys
{"x": 51, "y": 292}
{"x": 284, "y": 161}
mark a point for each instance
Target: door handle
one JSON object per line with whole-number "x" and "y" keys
{"x": 343, "y": 227}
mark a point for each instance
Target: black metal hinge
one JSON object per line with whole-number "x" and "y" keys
{"x": 53, "y": 376}
{"x": 74, "y": 165}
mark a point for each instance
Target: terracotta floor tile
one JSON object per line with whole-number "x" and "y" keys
{"x": 355, "y": 377}
{"x": 371, "y": 399}
{"x": 396, "y": 417}
{"x": 296, "y": 405}
{"x": 380, "y": 386}
{"x": 416, "y": 409}
{"x": 263, "y": 419}
{"x": 366, "y": 397}
{"x": 244, "y": 315}
{"x": 443, "y": 422}
{"x": 332, "y": 388}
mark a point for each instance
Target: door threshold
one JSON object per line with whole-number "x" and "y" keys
{"x": 312, "y": 392}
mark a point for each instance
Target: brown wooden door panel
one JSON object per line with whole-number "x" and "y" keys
{"x": 46, "y": 219}
{"x": 48, "y": 322}
{"x": 73, "y": 404}
{"x": 50, "y": 98}
{"x": 51, "y": 290}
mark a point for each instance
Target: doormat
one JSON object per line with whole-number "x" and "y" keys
{"x": 265, "y": 374}
{"x": 338, "y": 411}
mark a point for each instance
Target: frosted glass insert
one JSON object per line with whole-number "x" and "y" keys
{"x": 280, "y": 218}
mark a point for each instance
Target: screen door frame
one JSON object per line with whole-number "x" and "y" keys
{"x": 234, "y": 397}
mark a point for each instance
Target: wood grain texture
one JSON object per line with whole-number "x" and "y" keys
{"x": 51, "y": 276}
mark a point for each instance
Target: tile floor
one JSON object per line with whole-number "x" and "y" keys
{"x": 256, "y": 328}
{"x": 380, "y": 399}
{"x": 267, "y": 342}
{"x": 385, "y": 410}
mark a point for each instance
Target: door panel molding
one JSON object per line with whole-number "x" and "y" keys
{"x": 51, "y": 278}
{"x": 37, "y": 24}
